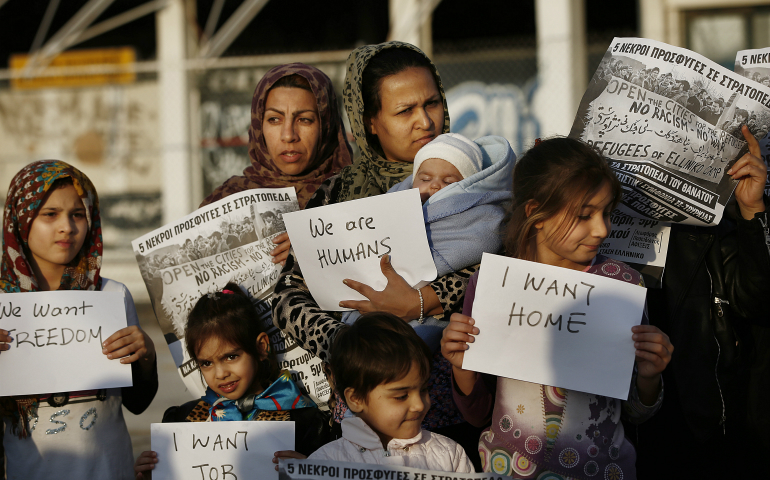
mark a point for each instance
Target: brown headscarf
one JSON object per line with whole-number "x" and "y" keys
{"x": 334, "y": 153}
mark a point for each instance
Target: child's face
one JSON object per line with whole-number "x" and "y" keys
{"x": 580, "y": 245}
{"x": 395, "y": 409}
{"x": 433, "y": 175}
{"x": 228, "y": 369}
{"x": 58, "y": 231}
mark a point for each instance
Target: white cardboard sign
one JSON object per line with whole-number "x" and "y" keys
{"x": 220, "y": 450}
{"x": 57, "y": 342}
{"x": 554, "y": 326}
{"x": 346, "y": 240}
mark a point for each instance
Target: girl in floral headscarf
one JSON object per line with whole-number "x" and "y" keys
{"x": 52, "y": 240}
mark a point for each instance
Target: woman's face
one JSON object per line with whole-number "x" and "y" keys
{"x": 412, "y": 114}
{"x": 292, "y": 129}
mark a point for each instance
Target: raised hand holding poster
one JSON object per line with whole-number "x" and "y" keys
{"x": 669, "y": 121}
{"x": 755, "y": 66}
{"x": 56, "y": 336}
{"x": 218, "y": 450}
{"x": 346, "y": 241}
{"x": 554, "y": 326}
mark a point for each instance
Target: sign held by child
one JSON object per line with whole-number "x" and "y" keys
{"x": 218, "y": 449}
{"x": 557, "y": 326}
{"x": 58, "y": 335}
{"x": 347, "y": 240}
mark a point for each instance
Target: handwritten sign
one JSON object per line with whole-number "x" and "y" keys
{"x": 219, "y": 450}
{"x": 346, "y": 240}
{"x": 554, "y": 326}
{"x": 57, "y": 342}
{"x": 312, "y": 469}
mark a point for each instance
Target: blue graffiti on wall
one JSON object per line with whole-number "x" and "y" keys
{"x": 479, "y": 109}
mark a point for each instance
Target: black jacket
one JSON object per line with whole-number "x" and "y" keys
{"x": 312, "y": 428}
{"x": 716, "y": 283}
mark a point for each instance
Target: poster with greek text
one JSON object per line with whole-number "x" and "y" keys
{"x": 637, "y": 240}
{"x": 670, "y": 122}
{"x": 218, "y": 450}
{"x": 755, "y": 66}
{"x": 227, "y": 241}
{"x": 56, "y": 336}
{"x": 559, "y": 327}
{"x": 347, "y": 240}
{"x": 312, "y": 469}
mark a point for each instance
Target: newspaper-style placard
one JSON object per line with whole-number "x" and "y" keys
{"x": 227, "y": 241}
{"x": 668, "y": 119}
{"x": 636, "y": 240}
{"x": 755, "y": 65}
{"x": 218, "y": 450}
{"x": 347, "y": 240}
{"x": 312, "y": 469}
{"x": 56, "y": 336}
{"x": 557, "y": 326}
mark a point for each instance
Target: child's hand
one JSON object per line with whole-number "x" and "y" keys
{"x": 281, "y": 251}
{"x": 653, "y": 353}
{"x": 5, "y": 339}
{"x": 457, "y": 335}
{"x": 144, "y": 465}
{"x": 130, "y": 342}
{"x": 286, "y": 454}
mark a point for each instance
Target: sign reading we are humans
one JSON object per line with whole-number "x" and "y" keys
{"x": 219, "y": 450}
{"x": 347, "y": 240}
{"x": 554, "y": 326}
{"x": 57, "y": 336}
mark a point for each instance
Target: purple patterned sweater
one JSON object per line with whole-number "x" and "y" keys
{"x": 539, "y": 430}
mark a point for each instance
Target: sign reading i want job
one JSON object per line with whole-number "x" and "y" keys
{"x": 56, "y": 337}
{"x": 555, "y": 326}
{"x": 219, "y": 450}
{"x": 346, "y": 240}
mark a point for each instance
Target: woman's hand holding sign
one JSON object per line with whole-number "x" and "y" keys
{"x": 130, "y": 344}
{"x": 397, "y": 298}
{"x": 751, "y": 172}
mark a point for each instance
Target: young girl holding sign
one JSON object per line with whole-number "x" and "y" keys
{"x": 228, "y": 342}
{"x": 52, "y": 240}
{"x": 563, "y": 194}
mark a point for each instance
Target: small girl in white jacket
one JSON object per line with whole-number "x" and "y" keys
{"x": 380, "y": 367}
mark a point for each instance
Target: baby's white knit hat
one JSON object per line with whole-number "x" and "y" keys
{"x": 460, "y": 151}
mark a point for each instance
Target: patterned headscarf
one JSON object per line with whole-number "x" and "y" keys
{"x": 371, "y": 174}
{"x": 333, "y": 152}
{"x": 26, "y": 194}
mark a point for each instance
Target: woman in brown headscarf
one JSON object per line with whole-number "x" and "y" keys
{"x": 296, "y": 138}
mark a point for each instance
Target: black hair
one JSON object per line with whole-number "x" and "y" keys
{"x": 232, "y": 318}
{"x": 378, "y": 348}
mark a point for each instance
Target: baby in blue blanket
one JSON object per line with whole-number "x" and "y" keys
{"x": 464, "y": 186}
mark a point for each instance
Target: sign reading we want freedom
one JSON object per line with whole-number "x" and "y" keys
{"x": 56, "y": 336}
